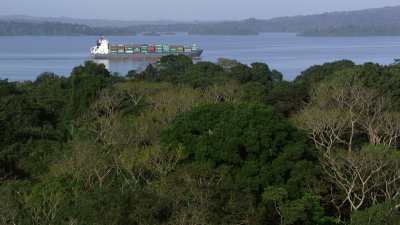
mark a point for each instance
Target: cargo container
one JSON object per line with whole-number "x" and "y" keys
{"x": 105, "y": 50}
{"x": 143, "y": 48}
{"x": 151, "y": 48}
{"x": 166, "y": 48}
{"x": 128, "y": 49}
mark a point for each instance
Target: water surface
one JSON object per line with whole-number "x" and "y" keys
{"x": 24, "y": 57}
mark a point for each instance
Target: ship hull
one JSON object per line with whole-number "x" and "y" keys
{"x": 144, "y": 56}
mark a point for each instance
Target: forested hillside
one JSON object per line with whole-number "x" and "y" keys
{"x": 13, "y": 28}
{"x": 387, "y": 16}
{"x": 202, "y": 144}
{"x": 380, "y": 21}
{"x": 353, "y": 31}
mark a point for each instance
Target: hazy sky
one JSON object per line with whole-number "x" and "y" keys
{"x": 182, "y": 9}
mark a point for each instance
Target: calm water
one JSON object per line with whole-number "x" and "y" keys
{"x": 23, "y": 58}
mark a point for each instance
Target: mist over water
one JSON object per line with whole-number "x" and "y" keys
{"x": 24, "y": 58}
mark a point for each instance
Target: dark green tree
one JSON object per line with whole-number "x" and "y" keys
{"x": 382, "y": 214}
{"x": 85, "y": 83}
{"x": 250, "y": 144}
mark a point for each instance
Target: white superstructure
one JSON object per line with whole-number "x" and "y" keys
{"x": 102, "y": 47}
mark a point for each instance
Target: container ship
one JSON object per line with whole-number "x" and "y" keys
{"x": 105, "y": 50}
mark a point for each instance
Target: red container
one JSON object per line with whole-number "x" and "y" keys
{"x": 151, "y": 49}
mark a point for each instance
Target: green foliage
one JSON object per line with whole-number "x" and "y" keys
{"x": 203, "y": 74}
{"x": 85, "y": 84}
{"x": 173, "y": 67}
{"x": 131, "y": 74}
{"x": 287, "y": 98}
{"x": 315, "y": 74}
{"x": 7, "y": 88}
{"x": 275, "y": 195}
{"x": 13, "y": 209}
{"x": 149, "y": 74}
{"x": 181, "y": 70}
{"x": 227, "y": 64}
{"x": 185, "y": 143}
{"x": 261, "y": 72}
{"x": 306, "y": 210}
{"x": 256, "y": 146}
{"x": 382, "y": 214}
{"x": 384, "y": 79}
{"x": 91, "y": 68}
{"x": 27, "y": 125}
{"x": 241, "y": 72}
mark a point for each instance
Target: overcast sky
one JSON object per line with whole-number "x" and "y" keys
{"x": 182, "y": 9}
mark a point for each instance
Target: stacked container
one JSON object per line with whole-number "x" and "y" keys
{"x": 180, "y": 49}
{"x": 136, "y": 48}
{"x": 120, "y": 49}
{"x": 159, "y": 48}
{"x": 129, "y": 49}
{"x": 166, "y": 48}
{"x": 151, "y": 48}
{"x": 188, "y": 49}
{"x": 143, "y": 48}
{"x": 173, "y": 49}
{"x": 113, "y": 49}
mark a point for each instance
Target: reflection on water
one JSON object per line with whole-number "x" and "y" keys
{"x": 123, "y": 66}
{"x": 106, "y": 62}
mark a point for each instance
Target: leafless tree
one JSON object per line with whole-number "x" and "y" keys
{"x": 326, "y": 128}
{"x": 363, "y": 176}
{"x": 340, "y": 110}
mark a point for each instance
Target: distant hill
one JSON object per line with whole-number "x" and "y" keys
{"x": 353, "y": 31}
{"x": 379, "y": 21}
{"x": 11, "y": 28}
{"x": 387, "y": 16}
{"x": 19, "y": 27}
{"x": 88, "y": 22}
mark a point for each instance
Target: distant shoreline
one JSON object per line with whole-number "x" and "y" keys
{"x": 361, "y": 23}
{"x": 305, "y": 35}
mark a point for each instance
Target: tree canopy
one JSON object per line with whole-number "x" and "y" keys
{"x": 186, "y": 142}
